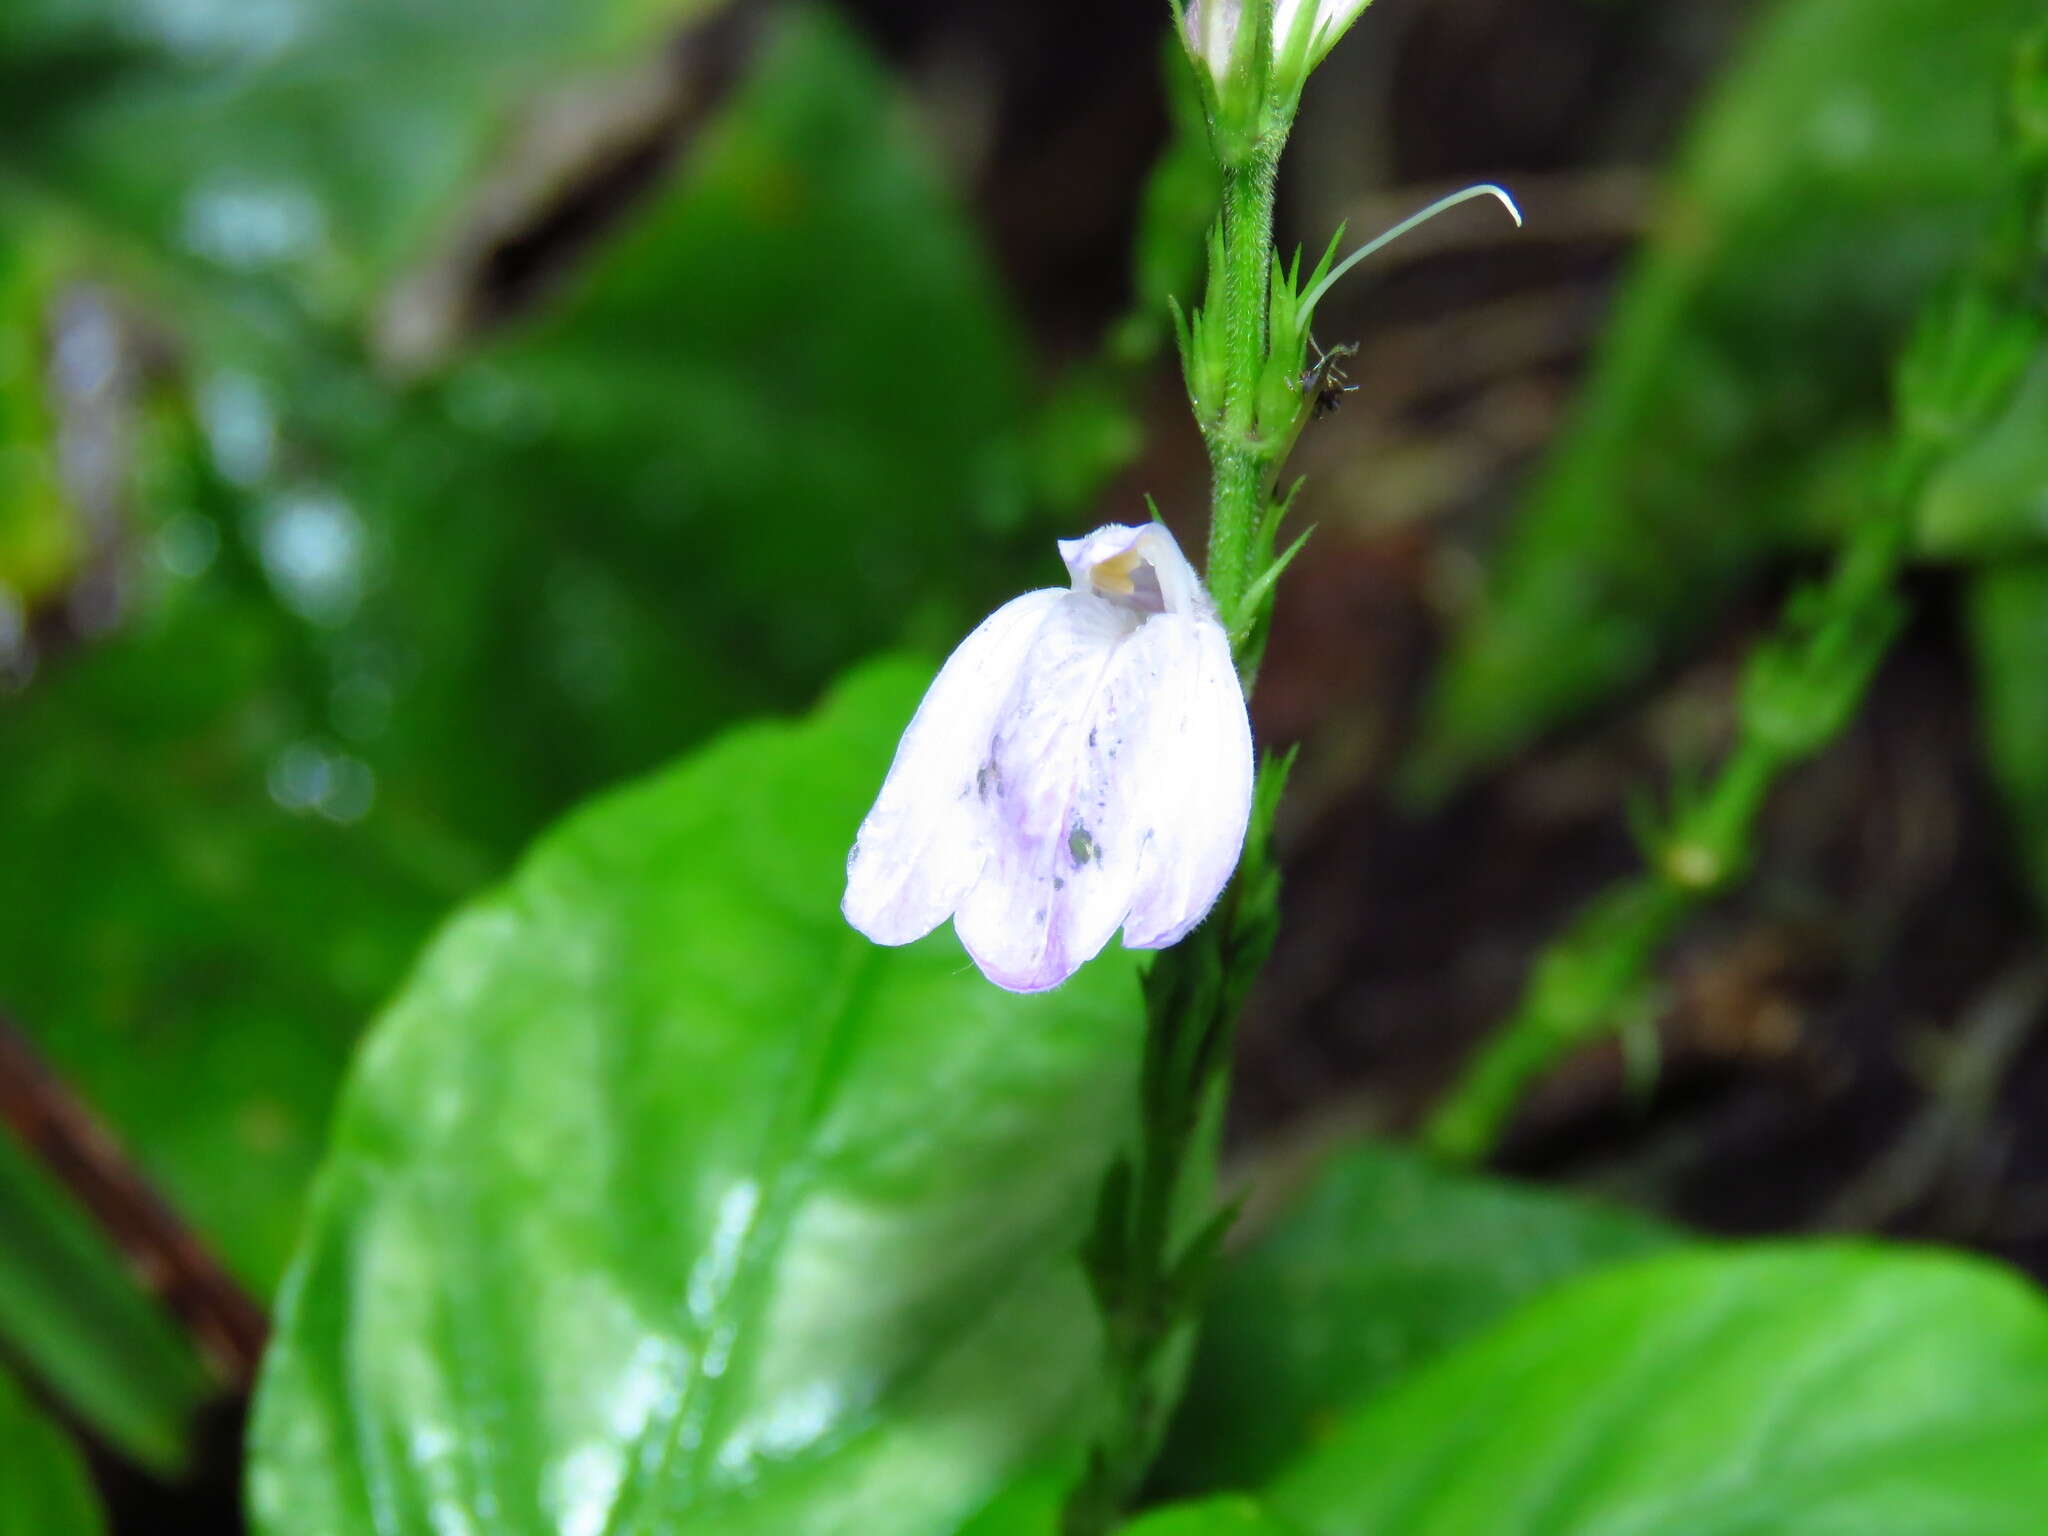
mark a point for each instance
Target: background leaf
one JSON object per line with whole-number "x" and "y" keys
{"x": 43, "y": 1486}
{"x": 1807, "y": 1390}
{"x": 662, "y": 1198}
{"x": 310, "y": 146}
{"x": 221, "y": 945}
{"x": 2008, "y": 616}
{"x": 1990, "y": 500}
{"x": 71, "y": 1313}
{"x": 762, "y": 433}
{"x": 1230, "y": 1515}
{"x": 1742, "y": 380}
{"x": 1388, "y": 1260}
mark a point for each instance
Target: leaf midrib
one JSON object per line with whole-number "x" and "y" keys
{"x": 804, "y": 1091}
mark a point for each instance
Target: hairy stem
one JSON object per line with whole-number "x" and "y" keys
{"x": 1146, "y": 1267}
{"x": 1243, "y": 463}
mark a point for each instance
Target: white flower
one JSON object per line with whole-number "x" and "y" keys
{"x": 1081, "y": 763}
{"x": 1210, "y": 30}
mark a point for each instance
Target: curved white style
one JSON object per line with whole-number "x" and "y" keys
{"x": 1082, "y": 762}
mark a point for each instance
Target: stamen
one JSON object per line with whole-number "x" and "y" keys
{"x": 1130, "y": 581}
{"x": 1113, "y": 575}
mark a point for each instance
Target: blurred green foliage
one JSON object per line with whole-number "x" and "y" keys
{"x": 663, "y": 1199}
{"x": 1990, "y": 502}
{"x": 1965, "y": 367}
{"x": 77, "y": 1322}
{"x": 313, "y": 148}
{"x": 771, "y": 424}
{"x": 1227, "y": 1515}
{"x": 2008, "y": 617}
{"x": 43, "y": 1485}
{"x": 1843, "y": 166}
{"x": 38, "y": 541}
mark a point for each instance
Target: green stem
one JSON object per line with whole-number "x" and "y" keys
{"x": 1801, "y": 688}
{"x": 1243, "y": 463}
{"x": 1595, "y": 976}
{"x": 1147, "y": 1267}
{"x": 1193, "y": 991}
{"x": 1800, "y": 691}
{"x": 1583, "y": 985}
{"x": 1149, "y": 1253}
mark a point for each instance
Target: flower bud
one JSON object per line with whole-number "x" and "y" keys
{"x": 1302, "y": 32}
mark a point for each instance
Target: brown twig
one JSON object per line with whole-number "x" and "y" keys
{"x": 170, "y": 1260}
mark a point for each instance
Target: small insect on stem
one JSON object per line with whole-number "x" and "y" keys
{"x": 1324, "y": 384}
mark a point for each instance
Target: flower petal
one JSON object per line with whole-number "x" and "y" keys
{"x": 924, "y": 843}
{"x": 1064, "y": 853}
{"x": 1191, "y": 782}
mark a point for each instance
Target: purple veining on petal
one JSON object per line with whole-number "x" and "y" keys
{"x": 1043, "y": 796}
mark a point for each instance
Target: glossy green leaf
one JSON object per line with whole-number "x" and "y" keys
{"x": 762, "y": 433}
{"x": 1230, "y": 1515}
{"x": 1385, "y": 1262}
{"x": 661, "y": 1200}
{"x": 2008, "y": 625}
{"x": 43, "y": 1486}
{"x": 1815, "y": 1390}
{"x": 73, "y": 1316}
{"x": 1742, "y": 381}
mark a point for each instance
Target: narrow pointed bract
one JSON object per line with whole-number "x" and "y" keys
{"x": 1082, "y": 763}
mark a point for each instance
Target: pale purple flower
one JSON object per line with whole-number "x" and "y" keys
{"x": 1081, "y": 763}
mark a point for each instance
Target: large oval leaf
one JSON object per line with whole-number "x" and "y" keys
{"x": 661, "y": 1200}
{"x": 43, "y": 1488}
{"x": 1390, "y": 1259}
{"x": 1816, "y": 1391}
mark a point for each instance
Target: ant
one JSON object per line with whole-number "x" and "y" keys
{"x": 1324, "y": 383}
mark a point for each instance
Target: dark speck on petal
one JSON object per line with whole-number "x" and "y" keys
{"x": 1081, "y": 844}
